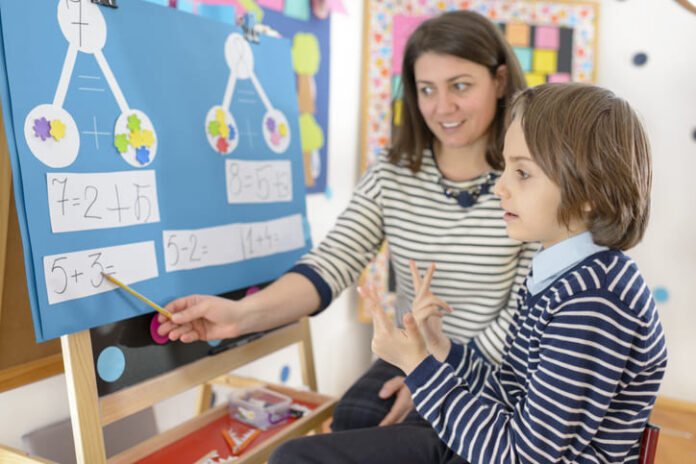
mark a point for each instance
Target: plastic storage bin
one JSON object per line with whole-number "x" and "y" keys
{"x": 259, "y": 407}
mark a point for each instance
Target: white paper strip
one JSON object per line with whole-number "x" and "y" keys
{"x": 213, "y": 246}
{"x": 101, "y": 200}
{"x": 78, "y": 274}
{"x": 258, "y": 181}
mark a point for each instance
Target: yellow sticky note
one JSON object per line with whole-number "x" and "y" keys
{"x": 545, "y": 61}
{"x": 517, "y": 34}
{"x": 397, "y": 112}
{"x": 534, "y": 79}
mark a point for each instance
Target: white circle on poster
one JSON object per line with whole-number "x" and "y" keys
{"x": 276, "y": 130}
{"x": 239, "y": 56}
{"x": 221, "y": 130}
{"x": 52, "y": 136}
{"x": 82, "y": 24}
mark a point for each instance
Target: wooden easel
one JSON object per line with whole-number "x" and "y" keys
{"x": 89, "y": 413}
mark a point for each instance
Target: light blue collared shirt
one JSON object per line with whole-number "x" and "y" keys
{"x": 550, "y": 263}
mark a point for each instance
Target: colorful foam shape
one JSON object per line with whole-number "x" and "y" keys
{"x": 42, "y": 128}
{"x": 661, "y": 294}
{"x": 524, "y": 56}
{"x": 214, "y": 128}
{"x": 133, "y": 122}
{"x": 546, "y": 37}
{"x": 559, "y": 77}
{"x": 233, "y": 133}
{"x": 142, "y": 155}
{"x": 121, "y": 142}
{"x": 544, "y": 61}
{"x": 57, "y": 129}
{"x": 297, "y": 9}
{"x": 517, "y": 34}
{"x": 222, "y": 145}
{"x": 534, "y": 79}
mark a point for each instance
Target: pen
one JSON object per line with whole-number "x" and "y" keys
{"x": 137, "y": 295}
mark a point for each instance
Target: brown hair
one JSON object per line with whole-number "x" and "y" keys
{"x": 467, "y": 35}
{"x": 592, "y": 145}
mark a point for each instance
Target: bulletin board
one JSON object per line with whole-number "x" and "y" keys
{"x": 554, "y": 41}
{"x": 195, "y": 188}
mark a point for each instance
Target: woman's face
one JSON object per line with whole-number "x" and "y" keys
{"x": 457, "y": 97}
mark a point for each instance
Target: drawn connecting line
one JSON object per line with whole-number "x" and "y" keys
{"x": 51, "y": 132}
{"x": 221, "y": 127}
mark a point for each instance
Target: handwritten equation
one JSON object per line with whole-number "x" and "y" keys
{"x": 231, "y": 243}
{"x": 258, "y": 181}
{"x": 101, "y": 200}
{"x": 79, "y": 274}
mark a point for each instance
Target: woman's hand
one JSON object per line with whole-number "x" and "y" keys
{"x": 403, "y": 403}
{"x": 201, "y": 317}
{"x": 402, "y": 348}
{"x": 426, "y": 311}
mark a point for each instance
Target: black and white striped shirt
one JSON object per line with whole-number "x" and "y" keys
{"x": 477, "y": 264}
{"x": 578, "y": 380}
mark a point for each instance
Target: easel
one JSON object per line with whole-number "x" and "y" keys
{"x": 90, "y": 414}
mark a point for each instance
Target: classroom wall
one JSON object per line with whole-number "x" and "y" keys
{"x": 662, "y": 91}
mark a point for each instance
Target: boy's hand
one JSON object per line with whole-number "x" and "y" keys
{"x": 402, "y": 348}
{"x": 426, "y": 311}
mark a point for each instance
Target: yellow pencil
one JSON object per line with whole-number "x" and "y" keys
{"x": 137, "y": 295}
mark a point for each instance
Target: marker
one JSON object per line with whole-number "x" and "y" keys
{"x": 137, "y": 295}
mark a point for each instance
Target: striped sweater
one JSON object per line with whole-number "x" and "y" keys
{"x": 477, "y": 263}
{"x": 579, "y": 376}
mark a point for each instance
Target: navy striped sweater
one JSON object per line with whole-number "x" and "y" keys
{"x": 579, "y": 377}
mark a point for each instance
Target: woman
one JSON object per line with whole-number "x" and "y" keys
{"x": 430, "y": 197}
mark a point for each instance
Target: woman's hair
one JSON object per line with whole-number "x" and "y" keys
{"x": 463, "y": 34}
{"x": 592, "y": 145}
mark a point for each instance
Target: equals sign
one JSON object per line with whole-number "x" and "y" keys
{"x": 77, "y": 201}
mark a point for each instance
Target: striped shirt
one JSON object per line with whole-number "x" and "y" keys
{"x": 578, "y": 380}
{"x": 477, "y": 264}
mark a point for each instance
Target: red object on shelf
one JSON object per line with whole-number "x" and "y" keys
{"x": 209, "y": 437}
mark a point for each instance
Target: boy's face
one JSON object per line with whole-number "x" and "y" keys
{"x": 530, "y": 199}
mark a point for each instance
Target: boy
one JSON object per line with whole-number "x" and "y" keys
{"x": 586, "y": 352}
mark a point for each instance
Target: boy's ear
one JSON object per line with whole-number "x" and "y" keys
{"x": 586, "y": 207}
{"x": 501, "y": 77}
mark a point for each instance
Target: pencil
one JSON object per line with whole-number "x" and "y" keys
{"x": 137, "y": 295}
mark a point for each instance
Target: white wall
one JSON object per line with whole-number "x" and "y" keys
{"x": 664, "y": 93}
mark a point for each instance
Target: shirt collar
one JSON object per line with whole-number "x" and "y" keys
{"x": 550, "y": 263}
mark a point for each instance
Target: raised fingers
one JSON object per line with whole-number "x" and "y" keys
{"x": 425, "y": 283}
{"x": 415, "y": 276}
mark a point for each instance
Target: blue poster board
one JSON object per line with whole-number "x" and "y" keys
{"x": 150, "y": 144}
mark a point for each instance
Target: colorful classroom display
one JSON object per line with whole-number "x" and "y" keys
{"x": 553, "y": 41}
{"x": 150, "y": 144}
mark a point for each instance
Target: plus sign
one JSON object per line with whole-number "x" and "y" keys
{"x": 76, "y": 275}
{"x": 79, "y": 22}
{"x": 95, "y": 132}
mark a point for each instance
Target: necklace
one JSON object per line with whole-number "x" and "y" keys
{"x": 468, "y": 197}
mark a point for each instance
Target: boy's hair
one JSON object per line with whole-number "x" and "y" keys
{"x": 463, "y": 34}
{"x": 592, "y": 145}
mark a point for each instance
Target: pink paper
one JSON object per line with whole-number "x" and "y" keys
{"x": 336, "y": 6}
{"x": 546, "y": 37}
{"x": 403, "y": 28}
{"x": 276, "y": 5}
